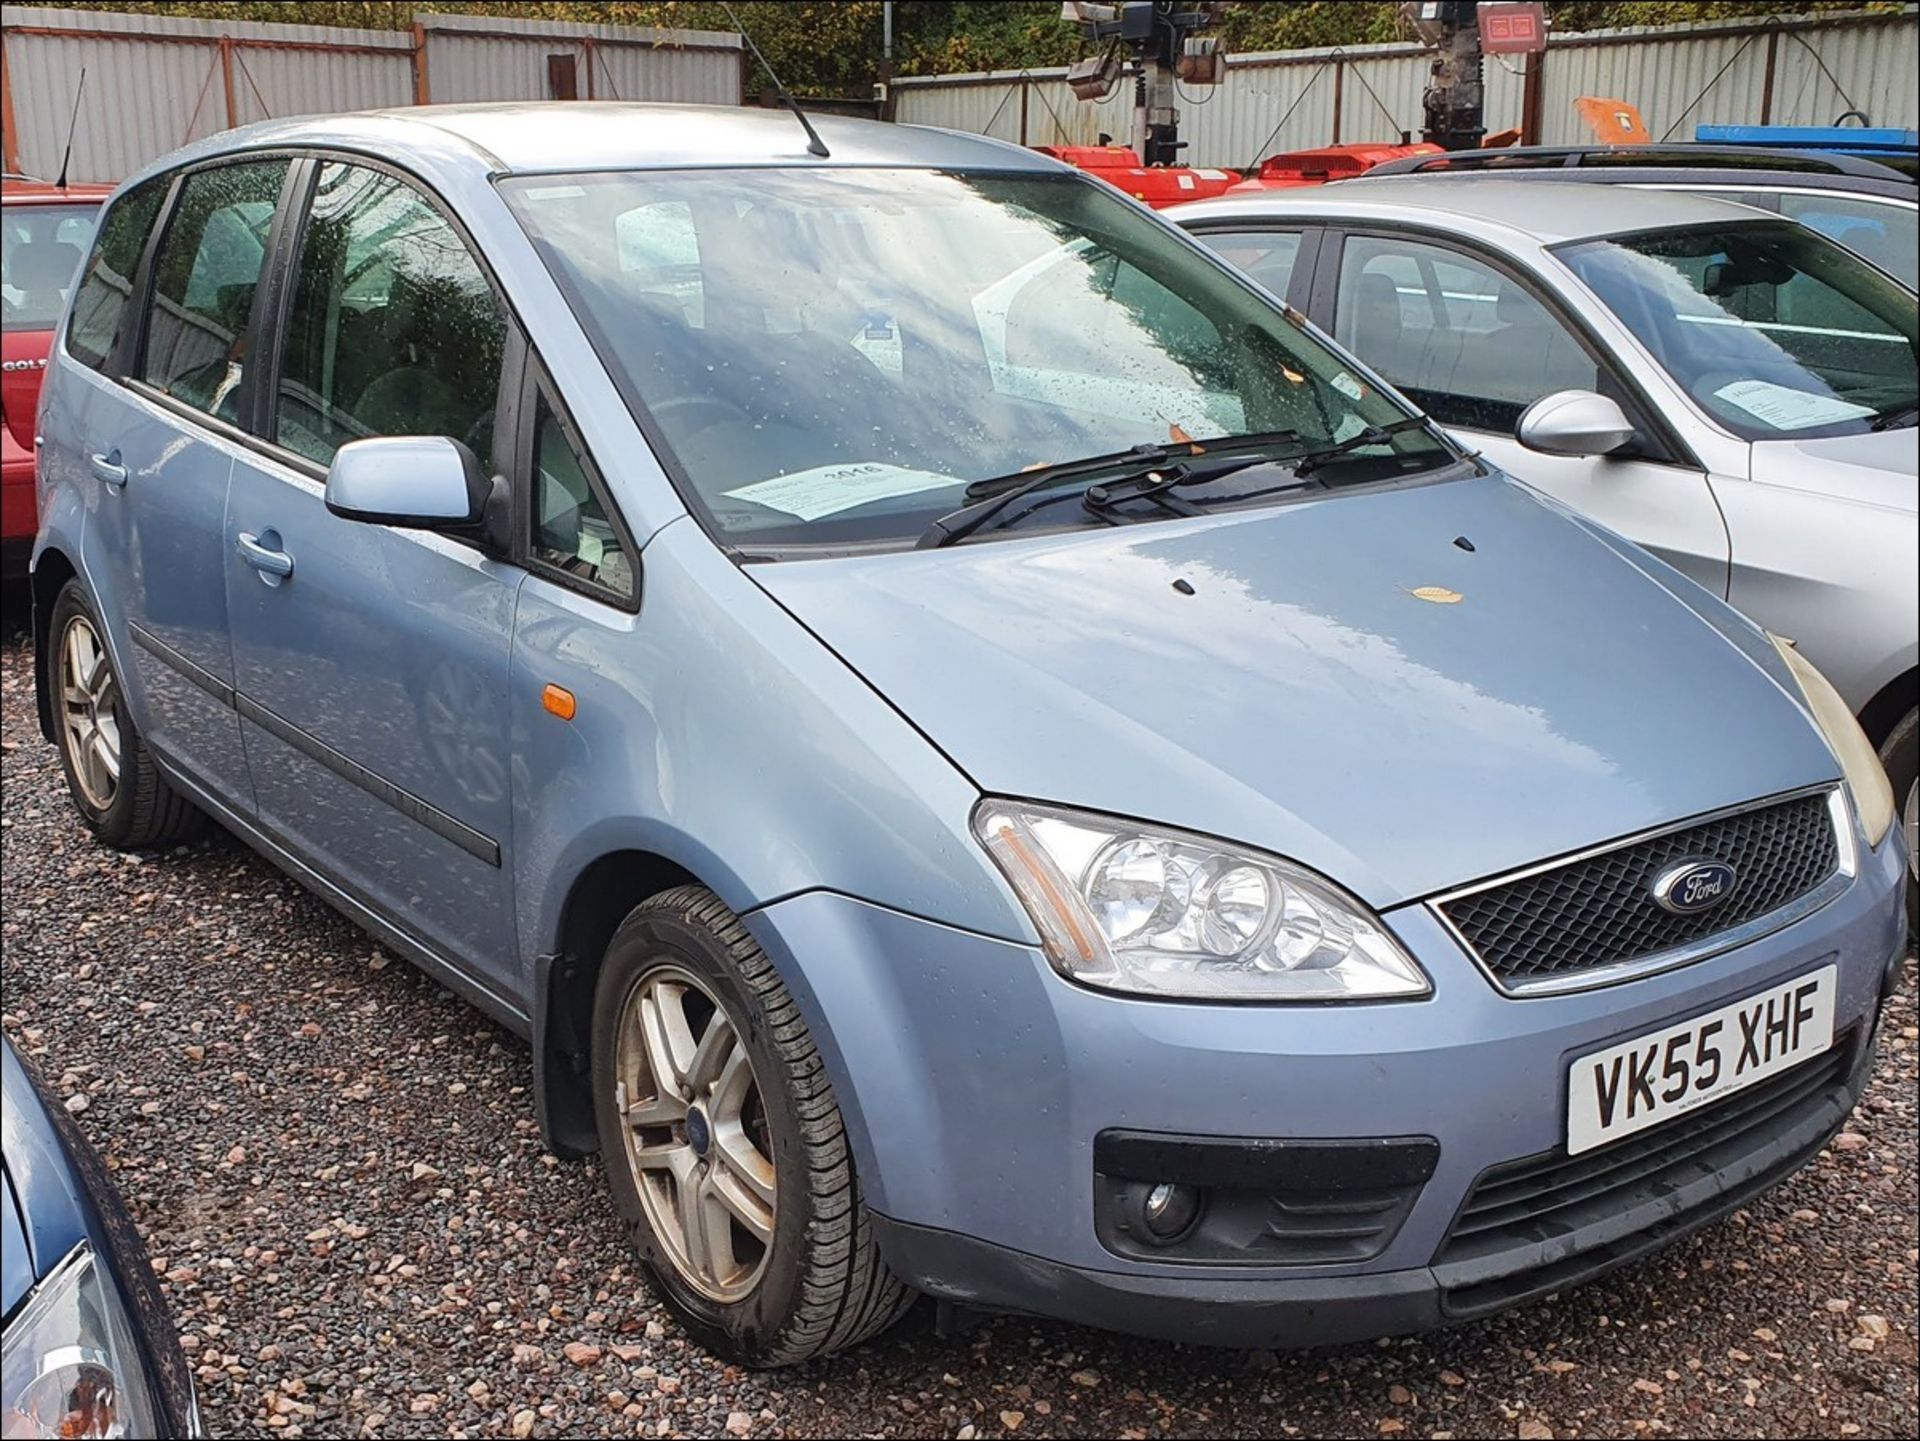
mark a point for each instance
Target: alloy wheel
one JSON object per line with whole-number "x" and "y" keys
{"x": 696, "y": 1132}
{"x": 88, "y": 693}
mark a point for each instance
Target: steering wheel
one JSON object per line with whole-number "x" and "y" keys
{"x": 681, "y": 406}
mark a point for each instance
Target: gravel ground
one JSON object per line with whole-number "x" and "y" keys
{"x": 336, "y": 1167}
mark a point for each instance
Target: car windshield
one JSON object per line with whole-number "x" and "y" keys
{"x": 1773, "y": 329}
{"x": 42, "y": 251}
{"x": 834, "y": 355}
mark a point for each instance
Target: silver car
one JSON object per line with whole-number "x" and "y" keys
{"x": 1731, "y": 390}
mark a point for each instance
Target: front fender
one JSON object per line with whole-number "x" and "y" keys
{"x": 713, "y": 731}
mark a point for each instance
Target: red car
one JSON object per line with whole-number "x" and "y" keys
{"x": 47, "y": 229}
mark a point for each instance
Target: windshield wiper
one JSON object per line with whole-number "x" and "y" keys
{"x": 1896, "y": 419}
{"x": 1310, "y": 461}
{"x": 991, "y": 498}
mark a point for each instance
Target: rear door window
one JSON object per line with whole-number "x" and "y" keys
{"x": 393, "y": 329}
{"x": 108, "y": 279}
{"x": 206, "y": 273}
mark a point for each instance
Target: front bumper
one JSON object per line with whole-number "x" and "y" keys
{"x": 1314, "y": 1311}
{"x": 975, "y": 1083}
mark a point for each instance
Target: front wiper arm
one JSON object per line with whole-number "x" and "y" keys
{"x": 1309, "y": 461}
{"x": 991, "y": 497}
{"x": 1895, "y": 419}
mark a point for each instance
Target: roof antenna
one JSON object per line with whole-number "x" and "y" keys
{"x": 73, "y": 123}
{"x": 815, "y": 146}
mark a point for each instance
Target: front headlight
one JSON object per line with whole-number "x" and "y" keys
{"x": 1162, "y": 913}
{"x": 69, "y": 1365}
{"x": 1859, "y": 762}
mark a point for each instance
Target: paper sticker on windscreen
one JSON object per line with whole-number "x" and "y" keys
{"x": 1785, "y": 408}
{"x": 829, "y": 489}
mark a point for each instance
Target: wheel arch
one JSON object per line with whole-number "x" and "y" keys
{"x": 1881, "y": 714}
{"x": 565, "y": 978}
{"x": 51, "y": 571}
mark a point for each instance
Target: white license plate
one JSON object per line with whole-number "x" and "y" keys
{"x": 1653, "y": 1078}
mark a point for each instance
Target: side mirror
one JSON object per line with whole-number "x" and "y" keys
{"x": 427, "y": 482}
{"x": 1574, "y": 422}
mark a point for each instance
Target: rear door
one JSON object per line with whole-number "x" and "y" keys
{"x": 371, "y": 663}
{"x": 157, "y": 438}
{"x": 1474, "y": 343}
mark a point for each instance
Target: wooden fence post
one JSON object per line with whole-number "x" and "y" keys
{"x": 421, "y": 94}
{"x": 1533, "y": 97}
{"x": 226, "y": 78}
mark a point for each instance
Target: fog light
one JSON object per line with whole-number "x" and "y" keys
{"x": 1169, "y": 1211}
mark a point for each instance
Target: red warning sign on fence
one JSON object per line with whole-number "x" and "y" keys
{"x": 1513, "y": 29}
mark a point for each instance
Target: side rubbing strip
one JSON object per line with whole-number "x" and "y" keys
{"x": 474, "y": 843}
{"x": 205, "y": 679}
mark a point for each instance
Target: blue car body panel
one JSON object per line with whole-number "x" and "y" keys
{"x": 389, "y": 647}
{"x": 733, "y": 744}
{"x": 1338, "y": 681}
{"x": 1270, "y": 705}
{"x": 54, "y": 1195}
{"x": 953, "y": 1045}
{"x": 46, "y": 1209}
{"x": 17, "y": 1271}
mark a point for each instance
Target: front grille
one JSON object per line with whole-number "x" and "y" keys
{"x": 1535, "y": 1224}
{"x": 1599, "y": 911}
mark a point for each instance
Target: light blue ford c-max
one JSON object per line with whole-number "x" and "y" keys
{"x": 986, "y": 759}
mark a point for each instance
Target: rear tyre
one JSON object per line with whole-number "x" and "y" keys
{"x": 1901, "y": 756}
{"x": 115, "y": 785}
{"x": 723, "y": 1144}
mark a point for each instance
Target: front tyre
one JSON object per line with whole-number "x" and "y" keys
{"x": 115, "y": 785}
{"x": 1901, "y": 756}
{"x": 723, "y": 1145}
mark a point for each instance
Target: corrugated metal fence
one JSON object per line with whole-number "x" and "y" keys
{"x": 1801, "y": 70}
{"x": 154, "y": 82}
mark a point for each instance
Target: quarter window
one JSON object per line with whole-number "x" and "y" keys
{"x": 572, "y": 531}
{"x": 108, "y": 279}
{"x": 1267, "y": 256}
{"x": 205, "y": 275}
{"x": 393, "y": 330}
{"x": 1886, "y": 234}
{"x": 1466, "y": 342}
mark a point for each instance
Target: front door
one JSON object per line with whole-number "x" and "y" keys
{"x": 160, "y": 444}
{"x": 1474, "y": 347}
{"x": 371, "y": 663}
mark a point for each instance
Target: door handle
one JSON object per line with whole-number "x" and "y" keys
{"x": 108, "y": 468}
{"x": 274, "y": 565}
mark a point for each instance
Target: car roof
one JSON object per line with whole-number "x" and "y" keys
{"x": 547, "y": 137}
{"x": 27, "y": 190}
{"x": 1894, "y": 187}
{"x": 1669, "y": 155}
{"x": 1545, "y": 214}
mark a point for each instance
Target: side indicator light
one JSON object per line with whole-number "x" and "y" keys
{"x": 558, "y": 701}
